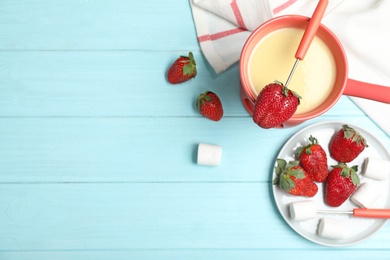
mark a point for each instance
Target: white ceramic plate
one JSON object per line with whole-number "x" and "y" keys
{"x": 358, "y": 229}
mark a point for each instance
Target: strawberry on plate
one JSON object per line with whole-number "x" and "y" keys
{"x": 342, "y": 181}
{"x": 293, "y": 179}
{"x": 314, "y": 160}
{"x": 274, "y": 105}
{"x": 346, "y": 144}
{"x": 183, "y": 69}
{"x": 209, "y": 105}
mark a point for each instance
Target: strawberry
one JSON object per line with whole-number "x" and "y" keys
{"x": 341, "y": 183}
{"x": 346, "y": 144}
{"x": 210, "y": 106}
{"x": 183, "y": 69}
{"x": 313, "y": 159}
{"x": 275, "y": 104}
{"x": 293, "y": 179}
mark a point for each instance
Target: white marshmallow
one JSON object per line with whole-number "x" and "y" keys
{"x": 376, "y": 168}
{"x": 302, "y": 210}
{"x": 209, "y": 154}
{"x": 332, "y": 228}
{"x": 365, "y": 195}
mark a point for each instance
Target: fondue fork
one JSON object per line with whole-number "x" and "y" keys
{"x": 308, "y": 35}
{"x": 361, "y": 212}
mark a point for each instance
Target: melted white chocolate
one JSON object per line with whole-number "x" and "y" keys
{"x": 274, "y": 57}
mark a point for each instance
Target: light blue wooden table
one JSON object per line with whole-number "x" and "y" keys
{"x": 97, "y": 150}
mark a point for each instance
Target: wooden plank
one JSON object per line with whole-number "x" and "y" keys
{"x": 104, "y": 84}
{"x": 148, "y": 216}
{"x": 122, "y": 83}
{"x": 96, "y": 25}
{"x": 97, "y": 150}
{"x": 142, "y": 149}
{"x": 215, "y": 254}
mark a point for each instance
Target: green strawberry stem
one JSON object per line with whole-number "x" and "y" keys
{"x": 283, "y": 172}
{"x": 349, "y": 172}
{"x": 307, "y": 148}
{"x": 202, "y": 99}
{"x": 285, "y": 91}
{"x": 313, "y": 140}
{"x": 190, "y": 66}
{"x": 349, "y": 132}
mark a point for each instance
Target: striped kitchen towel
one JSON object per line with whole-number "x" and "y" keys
{"x": 223, "y": 26}
{"x": 363, "y": 27}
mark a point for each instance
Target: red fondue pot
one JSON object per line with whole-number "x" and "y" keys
{"x": 342, "y": 85}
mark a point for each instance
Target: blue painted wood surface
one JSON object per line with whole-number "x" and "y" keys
{"x": 97, "y": 150}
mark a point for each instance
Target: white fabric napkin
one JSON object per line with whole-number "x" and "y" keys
{"x": 363, "y": 27}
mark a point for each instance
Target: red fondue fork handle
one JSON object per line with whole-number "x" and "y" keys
{"x": 308, "y": 35}
{"x": 371, "y": 213}
{"x": 367, "y": 90}
{"x": 361, "y": 212}
{"x": 311, "y": 29}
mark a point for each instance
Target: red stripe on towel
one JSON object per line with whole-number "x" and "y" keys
{"x": 237, "y": 14}
{"x": 216, "y": 36}
{"x": 283, "y": 6}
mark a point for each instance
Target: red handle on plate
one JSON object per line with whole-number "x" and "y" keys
{"x": 371, "y": 213}
{"x": 367, "y": 90}
{"x": 311, "y": 29}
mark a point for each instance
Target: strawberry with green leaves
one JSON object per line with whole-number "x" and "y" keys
{"x": 314, "y": 160}
{"x": 209, "y": 105}
{"x": 341, "y": 183}
{"x": 183, "y": 69}
{"x": 293, "y": 179}
{"x": 346, "y": 144}
{"x": 274, "y": 105}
